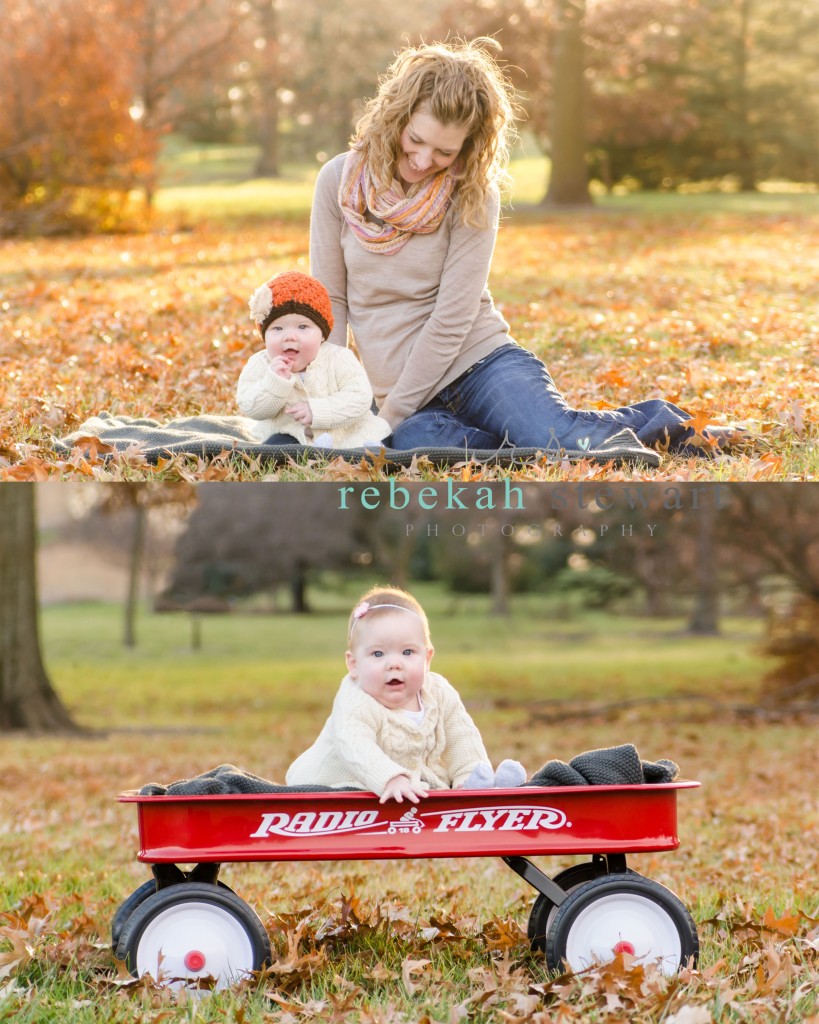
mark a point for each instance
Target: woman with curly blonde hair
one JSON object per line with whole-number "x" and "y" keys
{"x": 402, "y": 231}
{"x": 462, "y": 87}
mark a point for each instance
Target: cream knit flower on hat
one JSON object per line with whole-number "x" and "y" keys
{"x": 261, "y": 302}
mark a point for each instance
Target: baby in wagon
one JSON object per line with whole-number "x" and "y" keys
{"x": 397, "y": 728}
{"x": 298, "y": 389}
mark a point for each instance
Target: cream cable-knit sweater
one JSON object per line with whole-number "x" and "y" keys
{"x": 420, "y": 316}
{"x": 364, "y": 744}
{"x": 334, "y": 384}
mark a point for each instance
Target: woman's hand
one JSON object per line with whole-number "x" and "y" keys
{"x": 400, "y": 786}
{"x": 301, "y": 413}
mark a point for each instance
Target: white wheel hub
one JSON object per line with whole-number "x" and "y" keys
{"x": 194, "y": 939}
{"x": 624, "y": 923}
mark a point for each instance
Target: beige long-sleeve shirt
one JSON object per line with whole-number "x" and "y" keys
{"x": 363, "y": 744}
{"x": 421, "y": 316}
{"x": 334, "y": 384}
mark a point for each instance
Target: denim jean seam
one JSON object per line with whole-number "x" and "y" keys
{"x": 453, "y": 401}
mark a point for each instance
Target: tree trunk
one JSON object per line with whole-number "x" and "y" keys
{"x": 746, "y": 158}
{"x": 705, "y": 617}
{"x": 649, "y": 565}
{"x": 499, "y": 576}
{"x": 196, "y": 632}
{"x": 150, "y": 99}
{"x": 134, "y": 571}
{"x": 267, "y": 164}
{"x": 569, "y": 176}
{"x": 27, "y": 700}
{"x": 298, "y": 588}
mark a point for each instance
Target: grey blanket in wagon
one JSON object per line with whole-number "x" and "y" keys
{"x": 609, "y": 766}
{"x": 227, "y": 778}
{"x": 208, "y": 436}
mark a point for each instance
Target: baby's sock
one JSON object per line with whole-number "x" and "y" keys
{"x": 509, "y": 773}
{"x": 480, "y": 777}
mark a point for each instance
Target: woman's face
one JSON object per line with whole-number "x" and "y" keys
{"x": 427, "y": 147}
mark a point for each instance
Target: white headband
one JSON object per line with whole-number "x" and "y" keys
{"x": 361, "y": 610}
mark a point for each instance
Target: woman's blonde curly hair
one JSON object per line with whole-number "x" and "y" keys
{"x": 460, "y": 84}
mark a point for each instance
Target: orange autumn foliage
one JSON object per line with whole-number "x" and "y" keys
{"x": 69, "y": 149}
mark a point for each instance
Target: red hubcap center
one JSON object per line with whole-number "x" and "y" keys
{"x": 194, "y": 960}
{"x": 624, "y": 947}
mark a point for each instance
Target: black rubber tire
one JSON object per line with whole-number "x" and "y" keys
{"x": 625, "y": 883}
{"x": 129, "y": 905}
{"x": 193, "y": 892}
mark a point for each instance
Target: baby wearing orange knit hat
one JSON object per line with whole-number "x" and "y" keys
{"x": 298, "y": 389}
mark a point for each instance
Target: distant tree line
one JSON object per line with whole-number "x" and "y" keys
{"x": 656, "y": 560}
{"x": 674, "y": 91}
{"x": 653, "y": 93}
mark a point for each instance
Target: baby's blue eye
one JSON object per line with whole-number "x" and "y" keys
{"x": 378, "y": 654}
{"x": 408, "y": 651}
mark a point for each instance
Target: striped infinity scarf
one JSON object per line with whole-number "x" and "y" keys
{"x": 401, "y": 215}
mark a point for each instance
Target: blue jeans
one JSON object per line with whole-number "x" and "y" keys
{"x": 510, "y": 398}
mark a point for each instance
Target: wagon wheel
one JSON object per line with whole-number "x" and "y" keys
{"x": 621, "y": 913}
{"x": 543, "y": 909}
{"x": 129, "y": 905}
{"x": 194, "y": 930}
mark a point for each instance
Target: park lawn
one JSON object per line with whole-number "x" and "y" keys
{"x": 746, "y": 867}
{"x": 708, "y": 301}
{"x": 289, "y": 666}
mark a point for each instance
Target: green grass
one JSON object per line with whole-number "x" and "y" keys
{"x": 216, "y": 182}
{"x": 288, "y": 663}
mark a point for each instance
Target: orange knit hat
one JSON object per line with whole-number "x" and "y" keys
{"x": 292, "y": 292}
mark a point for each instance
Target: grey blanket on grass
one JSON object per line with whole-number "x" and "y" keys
{"x": 207, "y": 436}
{"x": 608, "y": 766}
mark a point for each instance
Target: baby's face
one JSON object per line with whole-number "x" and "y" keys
{"x": 389, "y": 658}
{"x": 295, "y": 338}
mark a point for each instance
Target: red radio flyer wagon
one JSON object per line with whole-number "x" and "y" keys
{"x": 184, "y": 925}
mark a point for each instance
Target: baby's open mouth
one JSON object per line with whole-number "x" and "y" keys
{"x": 395, "y": 682}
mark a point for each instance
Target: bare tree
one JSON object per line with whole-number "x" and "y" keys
{"x": 780, "y": 525}
{"x": 245, "y": 539}
{"x": 129, "y": 521}
{"x": 170, "y": 45}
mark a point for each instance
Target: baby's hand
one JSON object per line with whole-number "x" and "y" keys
{"x": 400, "y": 786}
{"x": 280, "y": 365}
{"x": 301, "y": 413}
